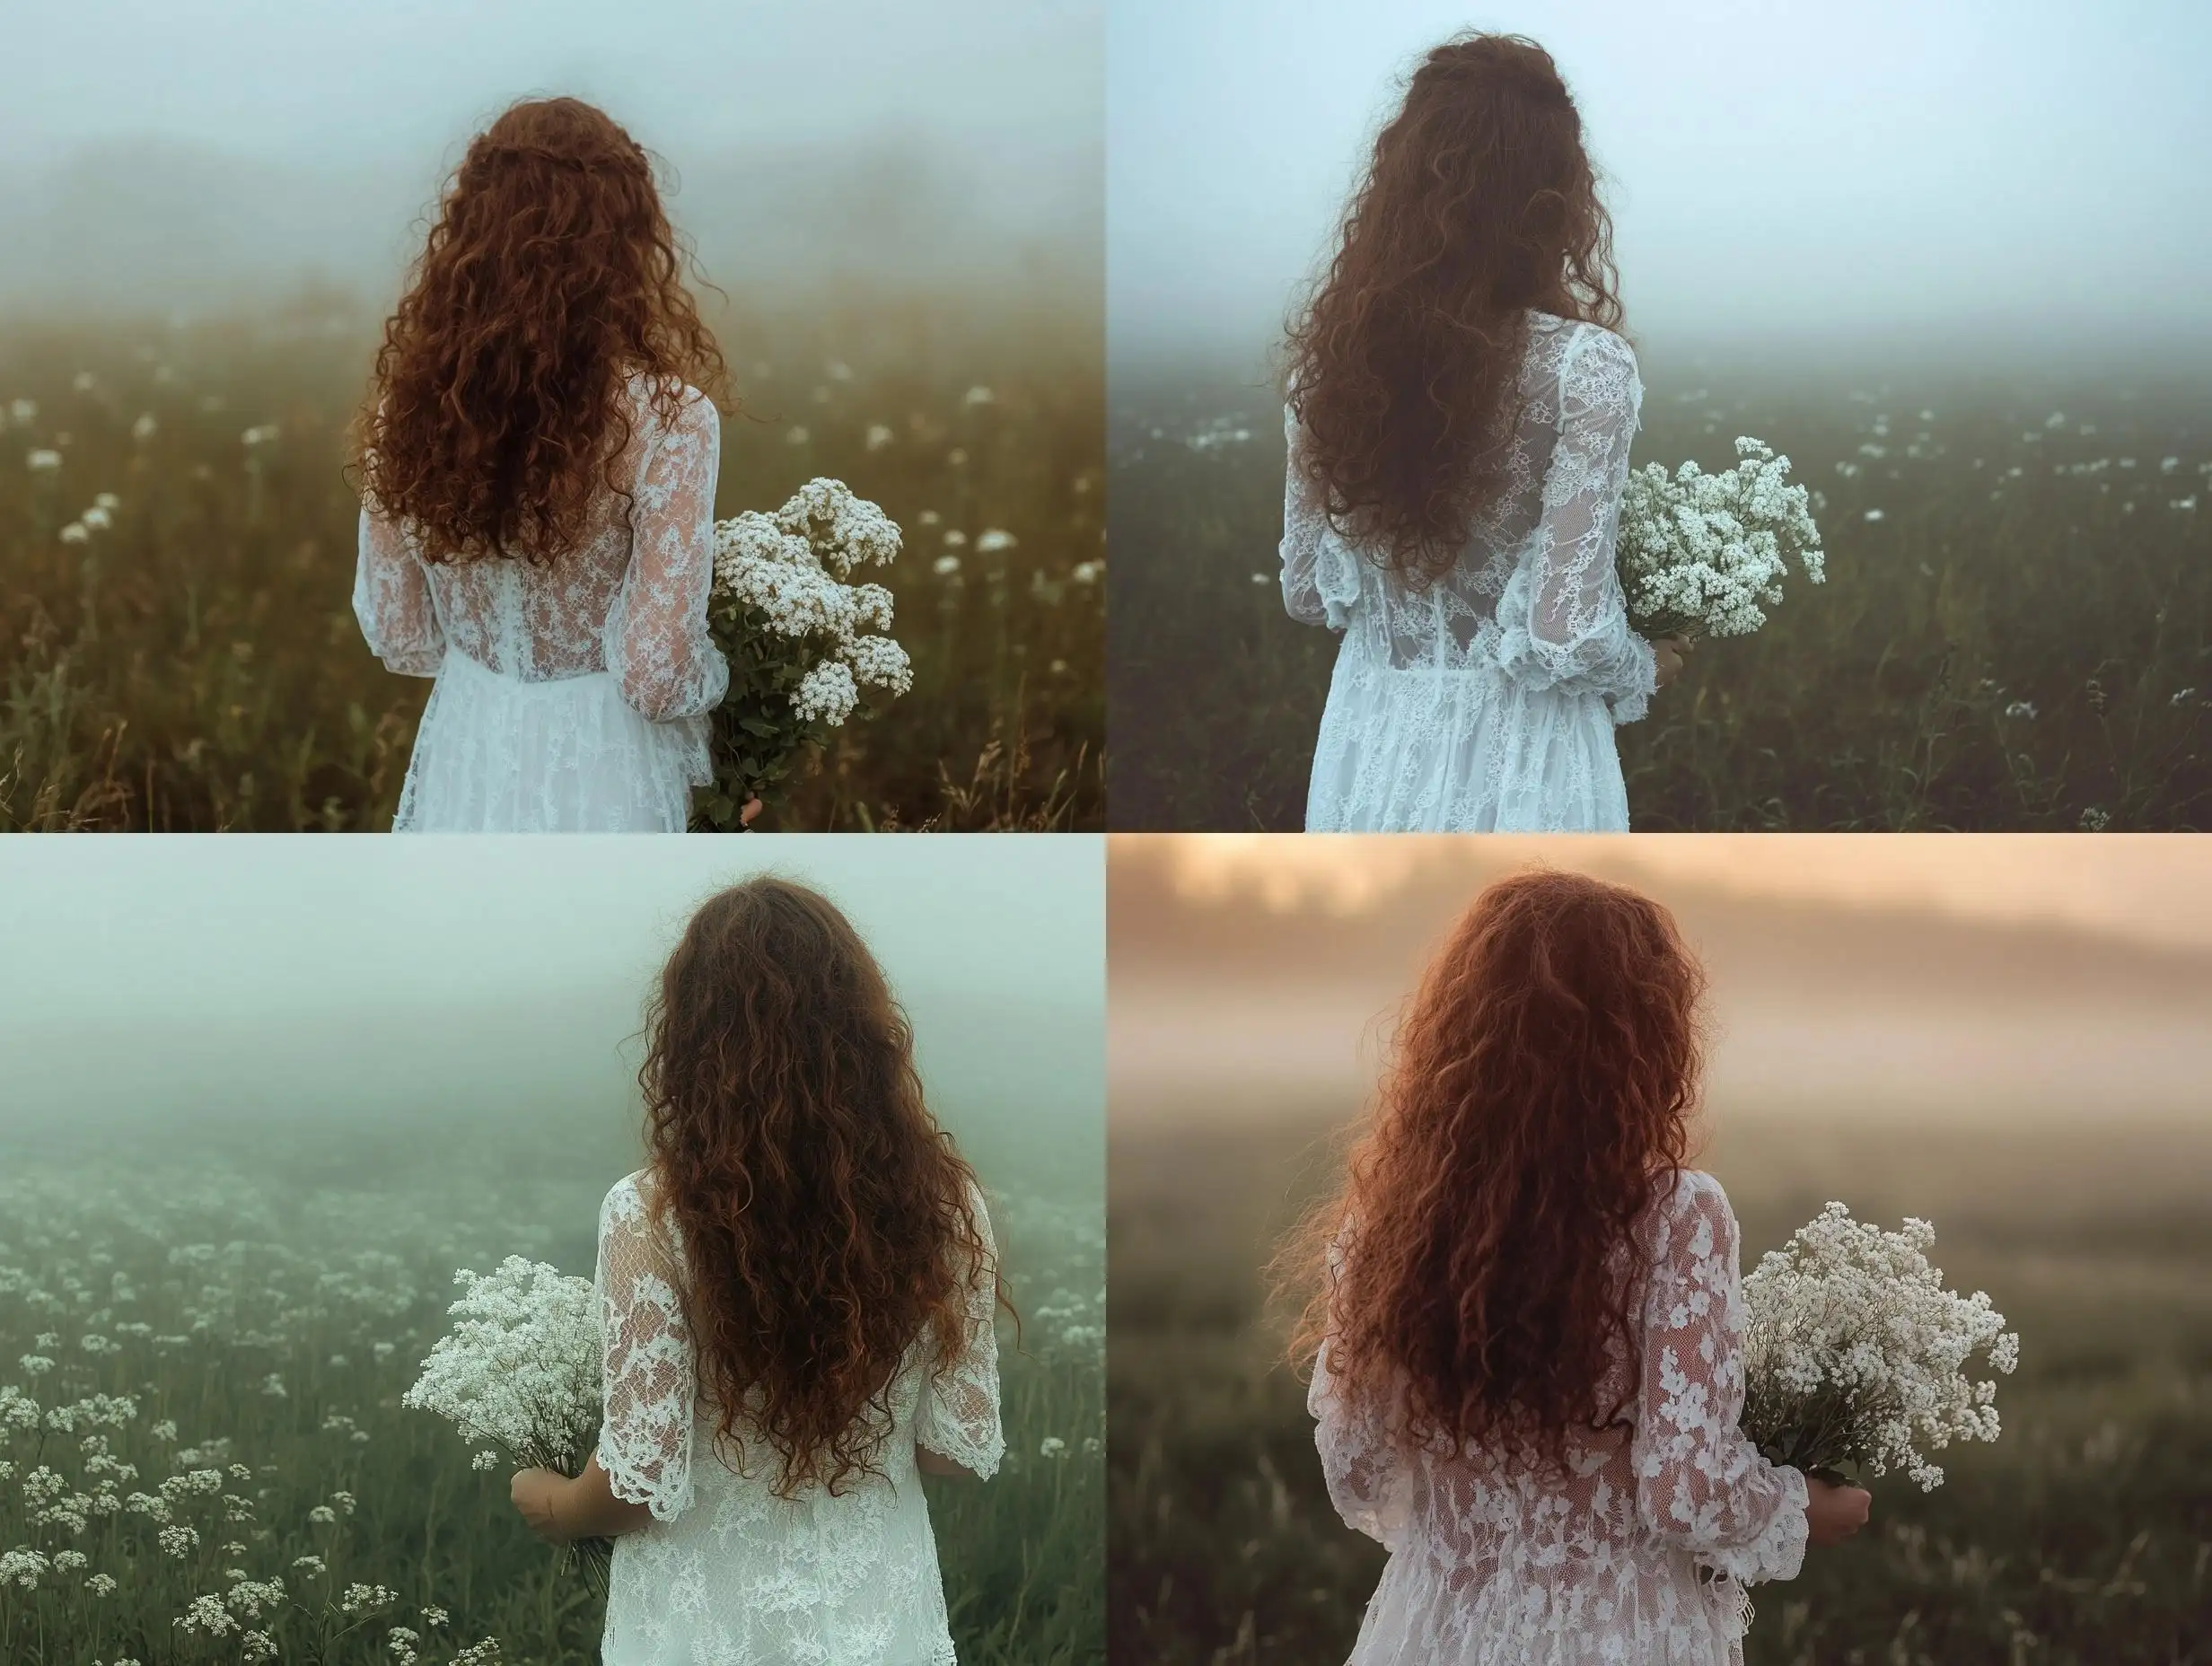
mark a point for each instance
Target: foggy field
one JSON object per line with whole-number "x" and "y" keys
{"x": 195, "y": 664}
{"x": 2023, "y": 639}
{"x": 251, "y": 1323}
{"x": 2085, "y": 1535}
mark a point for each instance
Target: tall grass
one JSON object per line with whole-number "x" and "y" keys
{"x": 2022, "y": 639}
{"x": 196, "y": 666}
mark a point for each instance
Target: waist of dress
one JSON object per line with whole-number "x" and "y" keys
{"x": 460, "y": 664}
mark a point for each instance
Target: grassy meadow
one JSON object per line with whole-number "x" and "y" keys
{"x": 2083, "y": 1536}
{"x": 200, "y": 1369}
{"x": 2016, "y": 632}
{"x": 193, "y": 664}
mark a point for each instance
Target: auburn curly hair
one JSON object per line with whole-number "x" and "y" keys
{"x": 825, "y": 1221}
{"x": 1478, "y": 1259}
{"x": 552, "y": 276}
{"x": 1481, "y": 204}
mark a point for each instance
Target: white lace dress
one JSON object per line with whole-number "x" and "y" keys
{"x": 1487, "y": 701}
{"x": 571, "y": 697}
{"x": 726, "y": 1573}
{"x": 1639, "y": 1555}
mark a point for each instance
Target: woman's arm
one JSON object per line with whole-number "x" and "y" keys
{"x": 1319, "y": 584}
{"x": 933, "y": 1463}
{"x": 559, "y": 1508}
{"x": 1700, "y": 1484}
{"x": 1567, "y": 622}
{"x": 956, "y": 1426}
{"x": 657, "y": 642}
{"x": 392, "y": 602}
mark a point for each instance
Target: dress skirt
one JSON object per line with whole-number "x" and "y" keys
{"x": 495, "y": 754}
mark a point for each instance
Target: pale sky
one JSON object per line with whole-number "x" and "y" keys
{"x": 346, "y": 976}
{"x": 1890, "y": 169}
{"x": 2151, "y": 887}
{"x": 229, "y": 144}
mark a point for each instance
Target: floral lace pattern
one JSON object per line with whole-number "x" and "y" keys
{"x": 573, "y": 695}
{"x": 1487, "y": 700}
{"x": 726, "y": 1573}
{"x": 1639, "y": 1550}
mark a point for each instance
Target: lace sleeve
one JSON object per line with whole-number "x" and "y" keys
{"x": 657, "y": 643}
{"x": 391, "y": 599}
{"x": 1321, "y": 577}
{"x": 1565, "y": 621}
{"x": 1363, "y": 1459}
{"x": 1701, "y": 1483}
{"x": 958, "y": 1415}
{"x": 645, "y": 1435}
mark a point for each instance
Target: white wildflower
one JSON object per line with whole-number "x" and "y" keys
{"x": 1854, "y": 1353}
{"x": 994, "y": 540}
{"x": 945, "y": 566}
{"x": 879, "y": 436}
{"x": 178, "y": 1542}
{"x": 1699, "y": 552}
{"x": 367, "y": 1598}
{"x": 520, "y": 1369}
{"x": 207, "y": 1615}
{"x": 144, "y": 428}
{"x": 1052, "y": 1446}
{"x": 827, "y": 694}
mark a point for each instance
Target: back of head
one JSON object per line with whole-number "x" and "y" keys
{"x": 1480, "y": 204}
{"x": 551, "y": 277}
{"x": 826, "y": 1222}
{"x": 1536, "y": 1105}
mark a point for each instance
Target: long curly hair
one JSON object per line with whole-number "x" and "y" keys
{"x": 825, "y": 1220}
{"x": 1480, "y": 1259}
{"x": 498, "y": 405}
{"x": 1481, "y": 204}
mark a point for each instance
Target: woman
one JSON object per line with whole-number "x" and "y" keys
{"x": 1524, "y": 1317}
{"x": 1460, "y": 414}
{"x": 538, "y": 461}
{"x": 797, "y": 1293}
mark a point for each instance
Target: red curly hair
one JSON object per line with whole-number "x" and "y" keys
{"x": 825, "y": 1221}
{"x": 1484, "y": 1264}
{"x": 552, "y": 276}
{"x": 1481, "y": 204}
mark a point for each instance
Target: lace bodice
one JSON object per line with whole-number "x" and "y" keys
{"x": 1494, "y": 1561}
{"x": 728, "y": 1572}
{"x": 1535, "y": 591}
{"x": 630, "y": 599}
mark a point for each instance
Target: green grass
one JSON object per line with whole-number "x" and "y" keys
{"x": 1895, "y": 697}
{"x": 2083, "y": 1536}
{"x": 196, "y": 666}
{"x": 212, "y": 1279}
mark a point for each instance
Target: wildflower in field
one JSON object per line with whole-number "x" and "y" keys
{"x": 207, "y": 1615}
{"x": 250, "y": 1597}
{"x": 2021, "y": 710}
{"x": 367, "y": 1598}
{"x": 2183, "y": 696}
{"x": 483, "y": 1653}
{"x": 165, "y": 1430}
{"x": 35, "y": 1365}
{"x": 178, "y": 1542}
{"x": 434, "y": 1617}
{"x": 322, "y": 1515}
{"x": 994, "y": 540}
{"x": 255, "y": 438}
{"x": 400, "y": 1642}
{"x": 1874, "y": 514}
{"x": 879, "y": 436}
{"x": 1262, "y": 578}
{"x": 312, "y": 1567}
{"x": 945, "y": 566}
{"x": 257, "y": 1646}
{"x": 69, "y": 1561}
{"x": 954, "y": 538}
{"x": 796, "y": 436}
{"x": 84, "y": 381}
{"x": 100, "y": 1585}
{"x": 384, "y": 1351}
{"x": 1856, "y": 1353}
{"x": 44, "y": 461}
{"x": 1052, "y": 1446}
{"x": 979, "y": 395}
{"x": 25, "y": 411}
{"x": 273, "y": 1385}
{"x": 2095, "y": 820}
{"x": 2183, "y": 502}
{"x": 144, "y": 429}
{"x": 1087, "y": 571}
{"x": 344, "y": 1500}
{"x": 22, "y": 1567}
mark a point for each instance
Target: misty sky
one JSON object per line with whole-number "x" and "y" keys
{"x": 355, "y": 975}
{"x": 289, "y": 133}
{"x": 1891, "y": 170}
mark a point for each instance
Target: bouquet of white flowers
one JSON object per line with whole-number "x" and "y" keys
{"x": 799, "y": 638}
{"x": 1699, "y": 552}
{"x": 519, "y": 1375}
{"x": 1856, "y": 1353}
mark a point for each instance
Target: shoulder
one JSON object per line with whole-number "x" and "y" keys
{"x": 1592, "y": 352}
{"x": 652, "y": 396}
{"x": 625, "y": 1203}
{"x": 1697, "y": 1209}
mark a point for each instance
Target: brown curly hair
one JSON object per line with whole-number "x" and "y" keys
{"x": 552, "y": 276}
{"x": 1481, "y": 204}
{"x": 1537, "y": 1104}
{"x": 826, "y": 1222}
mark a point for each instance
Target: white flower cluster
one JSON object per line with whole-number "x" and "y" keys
{"x": 793, "y": 567}
{"x": 1854, "y": 1353}
{"x": 1699, "y": 552}
{"x": 520, "y": 1369}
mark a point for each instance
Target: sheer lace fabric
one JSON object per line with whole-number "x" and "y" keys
{"x": 728, "y": 1574}
{"x": 1487, "y": 701}
{"x": 1639, "y": 1552}
{"x": 571, "y": 696}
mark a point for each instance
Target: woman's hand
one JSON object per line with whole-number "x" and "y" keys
{"x": 537, "y": 1493}
{"x": 1667, "y": 653}
{"x": 1833, "y": 1513}
{"x": 745, "y": 816}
